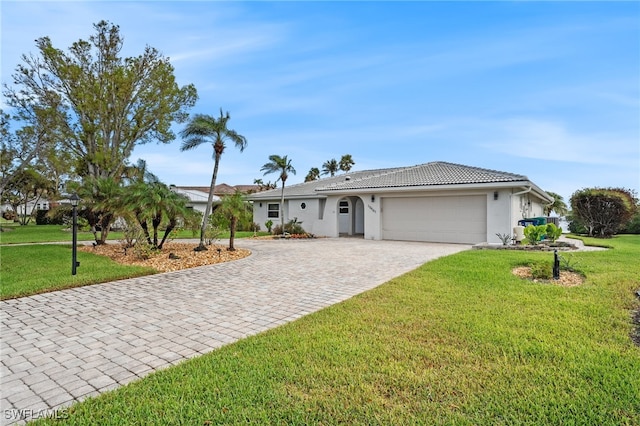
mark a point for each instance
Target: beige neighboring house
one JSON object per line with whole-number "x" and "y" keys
{"x": 434, "y": 202}
{"x": 198, "y": 195}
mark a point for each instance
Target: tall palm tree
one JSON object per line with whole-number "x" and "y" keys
{"x": 314, "y": 174}
{"x": 346, "y": 163}
{"x": 283, "y": 166}
{"x": 330, "y": 167}
{"x": 207, "y": 129}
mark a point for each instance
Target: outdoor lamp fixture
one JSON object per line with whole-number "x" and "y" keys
{"x": 373, "y": 198}
{"x": 75, "y": 200}
{"x": 495, "y": 195}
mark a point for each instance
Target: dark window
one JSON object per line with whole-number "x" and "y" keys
{"x": 273, "y": 210}
{"x": 344, "y": 207}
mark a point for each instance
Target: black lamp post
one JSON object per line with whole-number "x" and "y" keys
{"x": 74, "y": 250}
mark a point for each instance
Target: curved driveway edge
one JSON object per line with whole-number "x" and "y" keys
{"x": 64, "y": 346}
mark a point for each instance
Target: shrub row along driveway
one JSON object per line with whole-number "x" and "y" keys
{"x": 63, "y": 346}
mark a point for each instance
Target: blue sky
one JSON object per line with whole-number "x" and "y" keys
{"x": 550, "y": 90}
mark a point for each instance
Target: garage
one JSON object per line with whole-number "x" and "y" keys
{"x": 442, "y": 219}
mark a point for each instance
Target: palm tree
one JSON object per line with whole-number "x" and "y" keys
{"x": 102, "y": 201}
{"x": 346, "y": 163}
{"x": 330, "y": 167}
{"x": 207, "y": 129}
{"x": 558, "y": 205}
{"x": 153, "y": 203}
{"x": 234, "y": 209}
{"x": 314, "y": 174}
{"x": 283, "y": 166}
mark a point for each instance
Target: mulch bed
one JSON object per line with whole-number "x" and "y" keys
{"x": 567, "y": 278}
{"x": 182, "y": 255}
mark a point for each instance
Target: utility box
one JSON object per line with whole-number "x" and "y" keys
{"x": 518, "y": 233}
{"x": 535, "y": 221}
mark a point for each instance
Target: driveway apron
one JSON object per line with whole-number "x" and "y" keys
{"x": 64, "y": 346}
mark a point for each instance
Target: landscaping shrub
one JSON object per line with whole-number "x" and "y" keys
{"x": 535, "y": 233}
{"x": 291, "y": 227}
{"x": 504, "y": 238}
{"x": 542, "y": 271}
{"x": 577, "y": 227}
{"x": 59, "y": 215}
{"x": 42, "y": 218}
{"x": 553, "y": 232}
{"x": 633, "y": 226}
{"x": 9, "y": 215}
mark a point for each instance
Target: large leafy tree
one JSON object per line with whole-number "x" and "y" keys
{"x": 98, "y": 104}
{"x": 281, "y": 165}
{"x": 28, "y": 146}
{"x": 330, "y": 167}
{"x": 603, "y": 211}
{"x": 346, "y": 163}
{"x": 558, "y": 205}
{"x": 207, "y": 129}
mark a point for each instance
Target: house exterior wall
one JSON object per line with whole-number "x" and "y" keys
{"x": 504, "y": 207}
{"x": 524, "y": 205}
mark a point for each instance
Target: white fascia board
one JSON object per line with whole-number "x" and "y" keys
{"x": 422, "y": 188}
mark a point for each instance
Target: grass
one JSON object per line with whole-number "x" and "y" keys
{"x": 30, "y": 269}
{"x": 58, "y": 233}
{"x": 21, "y": 276}
{"x": 458, "y": 341}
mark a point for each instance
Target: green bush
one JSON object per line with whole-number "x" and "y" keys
{"x": 633, "y": 226}
{"x": 42, "y": 218}
{"x": 291, "y": 227}
{"x": 542, "y": 271}
{"x": 577, "y": 227}
{"x": 59, "y": 215}
{"x": 535, "y": 233}
{"x": 553, "y": 232}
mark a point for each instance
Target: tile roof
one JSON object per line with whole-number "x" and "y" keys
{"x": 222, "y": 189}
{"x": 428, "y": 174}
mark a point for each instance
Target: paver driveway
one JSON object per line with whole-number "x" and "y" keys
{"x": 61, "y": 347}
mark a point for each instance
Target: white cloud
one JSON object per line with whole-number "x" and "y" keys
{"x": 553, "y": 141}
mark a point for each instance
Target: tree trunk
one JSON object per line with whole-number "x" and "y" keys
{"x": 232, "y": 233}
{"x": 282, "y": 209}
{"x": 207, "y": 211}
{"x": 172, "y": 224}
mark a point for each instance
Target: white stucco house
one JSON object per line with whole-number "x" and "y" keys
{"x": 435, "y": 202}
{"x": 198, "y": 195}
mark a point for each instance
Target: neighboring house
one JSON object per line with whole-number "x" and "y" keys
{"x": 198, "y": 195}
{"x": 435, "y": 202}
{"x": 41, "y": 204}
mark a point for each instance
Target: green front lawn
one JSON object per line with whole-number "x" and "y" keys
{"x": 58, "y": 233}
{"x": 457, "y": 341}
{"x": 32, "y": 269}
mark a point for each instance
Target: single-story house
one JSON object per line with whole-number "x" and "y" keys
{"x": 435, "y": 202}
{"x": 198, "y": 195}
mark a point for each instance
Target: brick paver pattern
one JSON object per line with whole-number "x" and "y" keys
{"x": 64, "y": 346}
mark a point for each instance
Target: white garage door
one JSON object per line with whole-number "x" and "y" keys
{"x": 460, "y": 219}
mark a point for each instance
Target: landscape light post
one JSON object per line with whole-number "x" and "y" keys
{"x": 74, "y": 250}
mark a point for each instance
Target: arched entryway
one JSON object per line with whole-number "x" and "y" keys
{"x": 350, "y": 217}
